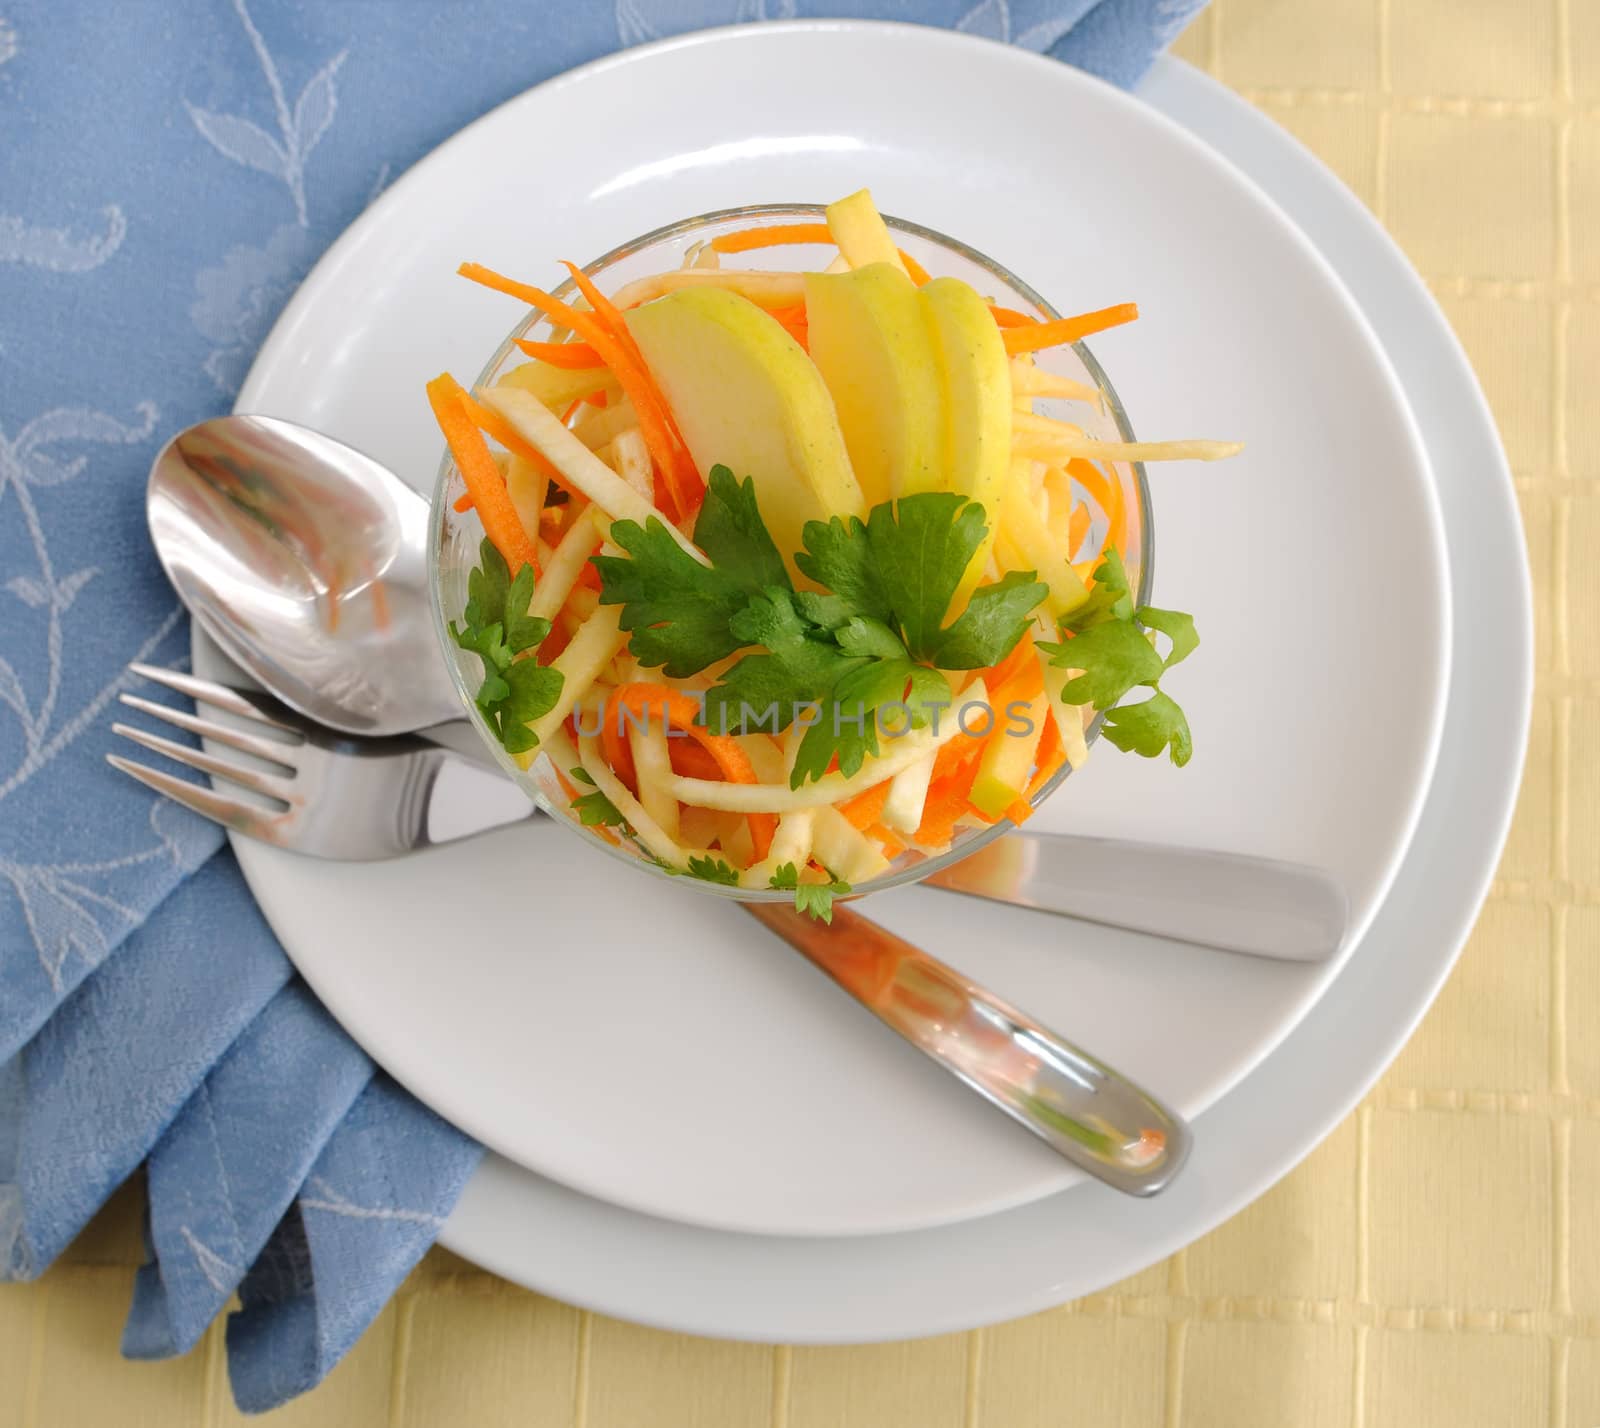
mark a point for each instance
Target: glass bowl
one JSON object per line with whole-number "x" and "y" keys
{"x": 455, "y": 536}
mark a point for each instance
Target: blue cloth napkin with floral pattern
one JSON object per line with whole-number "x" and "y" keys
{"x": 169, "y": 175}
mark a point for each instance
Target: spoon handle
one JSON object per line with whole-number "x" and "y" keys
{"x": 1242, "y": 904}
{"x": 1078, "y": 1106}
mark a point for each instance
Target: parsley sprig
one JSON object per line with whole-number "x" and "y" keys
{"x": 1113, "y": 654}
{"x": 813, "y": 899}
{"x": 497, "y": 628}
{"x": 594, "y": 809}
{"x": 845, "y": 656}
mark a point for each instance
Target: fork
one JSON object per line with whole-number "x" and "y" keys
{"x": 325, "y": 794}
{"x": 333, "y": 796}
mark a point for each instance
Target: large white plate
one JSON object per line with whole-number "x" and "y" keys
{"x": 656, "y": 1051}
{"x": 865, "y": 1288}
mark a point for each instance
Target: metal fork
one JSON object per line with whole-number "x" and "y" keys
{"x": 325, "y": 794}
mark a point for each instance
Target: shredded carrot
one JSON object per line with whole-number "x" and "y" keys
{"x": 892, "y": 846}
{"x": 589, "y": 577}
{"x": 1021, "y": 652}
{"x": 509, "y": 437}
{"x": 772, "y": 236}
{"x": 655, "y": 421}
{"x": 793, "y": 321}
{"x": 571, "y": 411}
{"x": 866, "y": 807}
{"x": 618, "y": 751}
{"x": 1019, "y": 811}
{"x": 464, "y": 501}
{"x": 681, "y": 710}
{"x": 568, "y": 355}
{"x": 1010, "y": 317}
{"x": 946, "y": 802}
{"x": 598, "y": 399}
{"x": 604, "y": 309}
{"x": 1048, "y": 758}
{"x": 1106, "y": 492}
{"x": 919, "y": 274}
{"x": 1067, "y": 329}
{"x": 484, "y": 481}
{"x": 689, "y": 760}
{"x": 558, "y": 639}
{"x": 1077, "y": 529}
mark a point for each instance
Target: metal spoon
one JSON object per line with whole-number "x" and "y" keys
{"x": 306, "y": 561}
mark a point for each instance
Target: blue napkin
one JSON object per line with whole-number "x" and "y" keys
{"x": 163, "y": 188}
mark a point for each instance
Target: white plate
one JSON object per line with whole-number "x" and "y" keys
{"x": 666, "y": 1056}
{"x": 899, "y": 1286}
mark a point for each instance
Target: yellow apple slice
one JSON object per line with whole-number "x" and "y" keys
{"x": 859, "y": 230}
{"x": 977, "y": 402}
{"x": 746, "y": 396}
{"x": 871, "y": 340}
{"x": 1007, "y": 761}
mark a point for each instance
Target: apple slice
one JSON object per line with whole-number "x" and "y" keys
{"x": 859, "y": 230}
{"x": 871, "y": 340}
{"x": 977, "y": 402}
{"x": 1007, "y": 761}
{"x": 746, "y": 396}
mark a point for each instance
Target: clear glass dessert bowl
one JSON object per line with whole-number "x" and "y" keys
{"x": 455, "y": 536}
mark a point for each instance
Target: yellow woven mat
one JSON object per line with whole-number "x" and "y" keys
{"x": 1437, "y": 1261}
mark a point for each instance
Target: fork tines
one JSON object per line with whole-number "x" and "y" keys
{"x": 260, "y": 710}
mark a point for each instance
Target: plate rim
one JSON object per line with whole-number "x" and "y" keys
{"x": 337, "y": 254}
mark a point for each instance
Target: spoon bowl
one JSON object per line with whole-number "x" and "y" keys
{"x": 304, "y": 559}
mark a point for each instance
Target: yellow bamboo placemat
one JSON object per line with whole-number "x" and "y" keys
{"x": 1437, "y": 1261}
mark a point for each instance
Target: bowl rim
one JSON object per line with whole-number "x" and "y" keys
{"x": 439, "y": 509}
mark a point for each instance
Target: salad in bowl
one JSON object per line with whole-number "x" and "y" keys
{"x": 797, "y": 580}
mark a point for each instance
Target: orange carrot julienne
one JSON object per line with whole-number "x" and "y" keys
{"x": 682, "y": 711}
{"x": 772, "y": 236}
{"x": 617, "y": 749}
{"x": 1107, "y": 494}
{"x": 919, "y": 274}
{"x": 604, "y": 308}
{"x": 866, "y": 807}
{"x": 1019, "y": 811}
{"x": 655, "y": 423}
{"x": 892, "y": 846}
{"x": 463, "y": 501}
{"x": 1067, "y": 329}
{"x": 1049, "y": 757}
{"x": 1010, "y": 317}
{"x": 477, "y": 467}
{"x": 568, "y": 355}
{"x": 509, "y": 437}
{"x": 1077, "y": 528}
{"x": 689, "y": 760}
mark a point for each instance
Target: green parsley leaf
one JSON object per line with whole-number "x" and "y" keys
{"x": 1116, "y": 656}
{"x": 1176, "y": 626}
{"x": 497, "y": 628}
{"x": 582, "y": 775}
{"x": 862, "y": 635}
{"x": 532, "y": 691}
{"x": 680, "y": 613}
{"x": 1109, "y": 596}
{"x": 596, "y": 810}
{"x": 714, "y": 870}
{"x": 813, "y": 899}
{"x": 730, "y": 530}
{"x": 996, "y": 617}
{"x": 1148, "y": 728}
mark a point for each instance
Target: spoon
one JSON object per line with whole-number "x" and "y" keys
{"x": 305, "y": 560}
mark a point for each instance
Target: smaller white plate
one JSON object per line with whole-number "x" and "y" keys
{"x": 650, "y": 1046}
